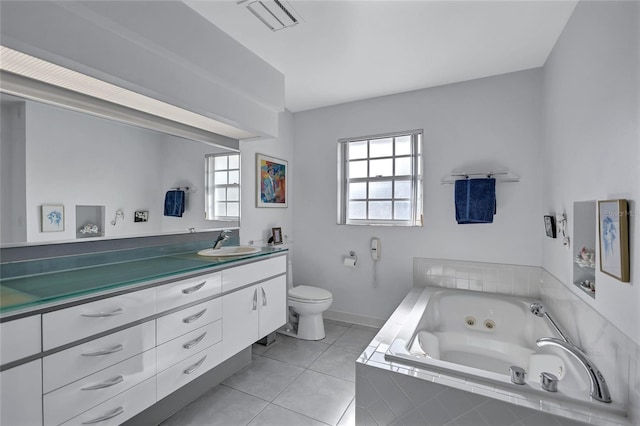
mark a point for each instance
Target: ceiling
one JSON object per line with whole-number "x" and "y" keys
{"x": 350, "y": 50}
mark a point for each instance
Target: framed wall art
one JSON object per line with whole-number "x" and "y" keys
{"x": 550, "y": 226}
{"x": 52, "y": 217}
{"x": 613, "y": 235}
{"x": 271, "y": 181}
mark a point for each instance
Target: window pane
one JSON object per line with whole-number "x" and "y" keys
{"x": 233, "y": 209}
{"x": 233, "y": 194}
{"x": 381, "y": 167}
{"x": 221, "y": 162}
{"x": 357, "y": 190}
{"x": 380, "y": 190}
{"x": 221, "y": 194}
{"x": 381, "y": 147}
{"x": 403, "y": 145}
{"x": 380, "y": 210}
{"x": 220, "y": 178}
{"x": 234, "y": 161}
{"x": 234, "y": 177}
{"x": 357, "y": 150}
{"x": 357, "y": 169}
{"x": 402, "y": 210}
{"x": 403, "y": 166}
{"x": 403, "y": 189}
{"x": 221, "y": 209}
{"x": 357, "y": 210}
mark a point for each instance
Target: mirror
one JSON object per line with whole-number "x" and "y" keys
{"x": 67, "y": 176}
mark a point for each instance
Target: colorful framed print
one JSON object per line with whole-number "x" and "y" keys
{"x": 52, "y": 218}
{"x": 613, "y": 233}
{"x": 271, "y": 181}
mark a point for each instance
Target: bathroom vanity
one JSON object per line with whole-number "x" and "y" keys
{"x": 132, "y": 335}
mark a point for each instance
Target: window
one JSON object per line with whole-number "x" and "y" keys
{"x": 222, "y": 187}
{"x": 380, "y": 180}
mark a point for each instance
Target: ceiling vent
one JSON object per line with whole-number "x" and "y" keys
{"x": 275, "y": 14}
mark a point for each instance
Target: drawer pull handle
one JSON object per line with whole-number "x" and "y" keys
{"x": 107, "y": 384}
{"x": 194, "y": 342}
{"x": 255, "y": 300}
{"x": 264, "y": 297}
{"x": 195, "y": 366}
{"x": 107, "y": 416}
{"x": 194, "y": 288}
{"x": 112, "y": 350}
{"x": 104, "y": 314}
{"x": 194, "y": 317}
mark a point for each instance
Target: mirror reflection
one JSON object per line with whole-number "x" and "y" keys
{"x": 99, "y": 178}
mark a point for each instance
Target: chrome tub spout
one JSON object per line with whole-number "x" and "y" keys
{"x": 599, "y": 388}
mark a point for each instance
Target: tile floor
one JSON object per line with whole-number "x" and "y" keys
{"x": 291, "y": 382}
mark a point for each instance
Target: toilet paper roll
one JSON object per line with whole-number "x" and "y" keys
{"x": 350, "y": 262}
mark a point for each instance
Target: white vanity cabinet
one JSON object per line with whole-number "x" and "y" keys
{"x": 105, "y": 361}
{"x": 21, "y": 386}
{"x": 21, "y": 395}
{"x": 252, "y": 313}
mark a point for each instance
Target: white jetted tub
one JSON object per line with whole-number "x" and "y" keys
{"x": 480, "y": 336}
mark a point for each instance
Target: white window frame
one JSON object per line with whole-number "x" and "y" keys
{"x": 415, "y": 177}
{"x": 211, "y": 186}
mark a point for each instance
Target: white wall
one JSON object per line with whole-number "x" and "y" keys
{"x": 77, "y": 159}
{"x": 592, "y": 138}
{"x": 483, "y": 124}
{"x": 256, "y": 223}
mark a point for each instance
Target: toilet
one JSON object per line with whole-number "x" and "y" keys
{"x": 307, "y": 303}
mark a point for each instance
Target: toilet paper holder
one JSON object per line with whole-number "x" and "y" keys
{"x": 351, "y": 260}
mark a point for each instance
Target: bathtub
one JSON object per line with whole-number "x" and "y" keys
{"x": 478, "y": 336}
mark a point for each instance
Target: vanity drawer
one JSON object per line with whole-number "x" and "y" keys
{"x": 237, "y": 277}
{"x": 77, "y": 397}
{"x": 77, "y": 322}
{"x": 119, "y": 408}
{"x": 188, "y": 319}
{"x": 185, "y": 371}
{"x": 186, "y": 345}
{"x": 80, "y": 361}
{"x": 20, "y": 338}
{"x": 176, "y": 294}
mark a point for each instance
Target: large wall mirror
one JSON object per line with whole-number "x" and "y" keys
{"x": 62, "y": 170}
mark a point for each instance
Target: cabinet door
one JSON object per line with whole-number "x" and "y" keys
{"x": 21, "y": 395}
{"x": 20, "y": 338}
{"x": 273, "y": 305}
{"x": 239, "y": 320}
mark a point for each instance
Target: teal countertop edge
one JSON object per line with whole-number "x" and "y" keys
{"x": 30, "y": 293}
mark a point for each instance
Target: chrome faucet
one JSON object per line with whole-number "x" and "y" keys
{"x": 222, "y": 237}
{"x": 599, "y": 388}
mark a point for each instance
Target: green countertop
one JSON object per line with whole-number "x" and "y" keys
{"x": 30, "y": 292}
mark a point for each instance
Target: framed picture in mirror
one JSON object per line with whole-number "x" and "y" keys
{"x": 613, "y": 235}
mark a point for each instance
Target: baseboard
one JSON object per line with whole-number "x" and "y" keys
{"x": 354, "y": 318}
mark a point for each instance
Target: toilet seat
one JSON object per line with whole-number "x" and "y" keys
{"x": 308, "y": 294}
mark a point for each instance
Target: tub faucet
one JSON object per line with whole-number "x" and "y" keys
{"x": 599, "y": 388}
{"x": 222, "y": 237}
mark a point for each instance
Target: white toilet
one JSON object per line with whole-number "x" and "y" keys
{"x": 308, "y": 303}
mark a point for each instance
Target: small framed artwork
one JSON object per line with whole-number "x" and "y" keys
{"x": 52, "y": 218}
{"x": 550, "y": 226}
{"x": 276, "y": 234}
{"x": 613, "y": 233}
{"x": 141, "y": 216}
{"x": 271, "y": 181}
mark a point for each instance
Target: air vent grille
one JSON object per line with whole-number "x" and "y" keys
{"x": 275, "y": 14}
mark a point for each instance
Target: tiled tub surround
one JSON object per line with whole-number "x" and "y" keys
{"x": 388, "y": 393}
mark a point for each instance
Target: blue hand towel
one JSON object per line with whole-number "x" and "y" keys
{"x": 174, "y": 203}
{"x": 475, "y": 200}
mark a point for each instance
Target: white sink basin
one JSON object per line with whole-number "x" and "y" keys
{"x": 229, "y": 251}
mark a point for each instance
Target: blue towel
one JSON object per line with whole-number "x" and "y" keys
{"x": 174, "y": 203}
{"x": 475, "y": 200}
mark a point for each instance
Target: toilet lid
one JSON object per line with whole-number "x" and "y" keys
{"x": 305, "y": 292}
